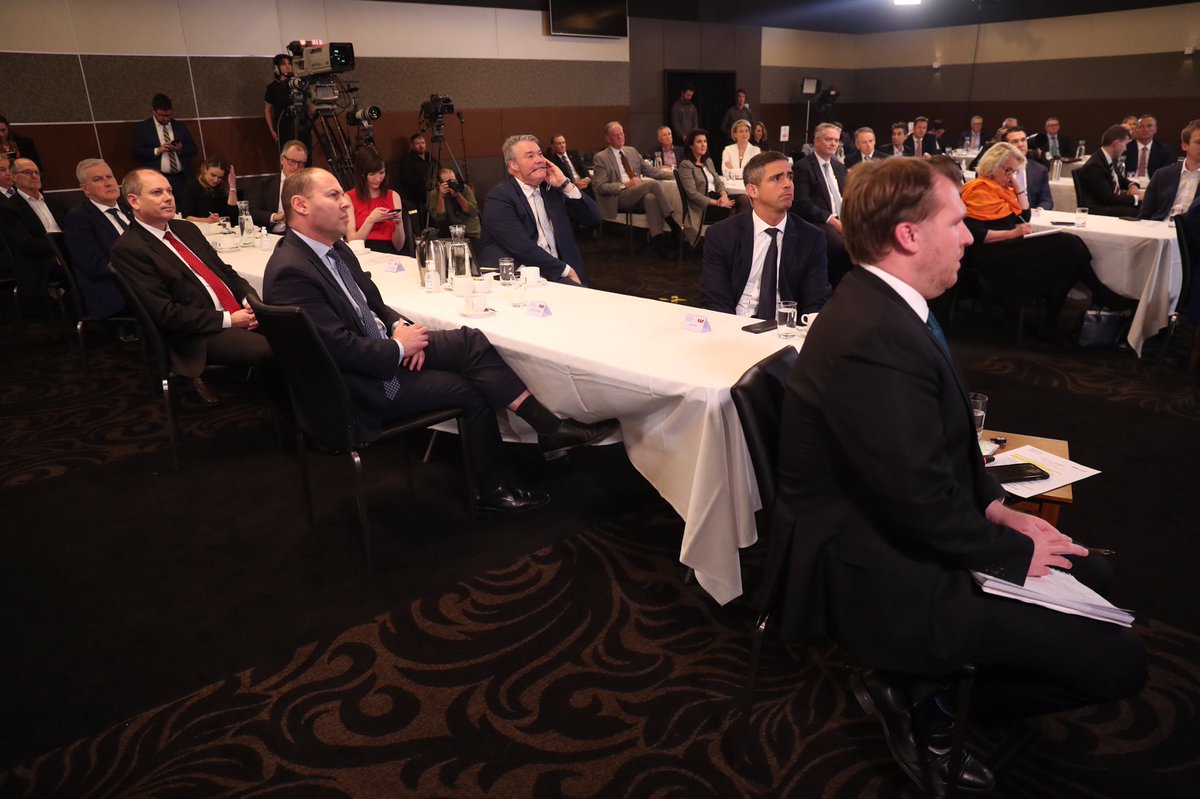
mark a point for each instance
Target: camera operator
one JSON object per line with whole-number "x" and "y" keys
{"x": 453, "y": 203}
{"x": 278, "y": 110}
{"x": 413, "y": 175}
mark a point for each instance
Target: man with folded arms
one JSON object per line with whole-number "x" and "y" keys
{"x": 1173, "y": 187}
{"x": 886, "y": 509}
{"x": 193, "y": 297}
{"x": 394, "y": 368}
{"x": 751, "y": 261}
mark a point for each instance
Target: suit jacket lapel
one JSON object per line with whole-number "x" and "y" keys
{"x": 348, "y": 311}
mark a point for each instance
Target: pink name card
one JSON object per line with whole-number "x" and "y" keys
{"x": 538, "y": 308}
{"x": 696, "y": 323}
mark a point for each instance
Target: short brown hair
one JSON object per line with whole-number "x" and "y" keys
{"x": 298, "y": 184}
{"x": 1114, "y": 133}
{"x": 1186, "y": 136}
{"x": 755, "y": 167}
{"x": 880, "y": 195}
{"x": 132, "y": 184}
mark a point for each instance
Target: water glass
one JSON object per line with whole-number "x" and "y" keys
{"x": 517, "y": 295}
{"x": 508, "y": 270}
{"x": 979, "y": 403}
{"x": 785, "y": 318}
{"x": 1081, "y": 217}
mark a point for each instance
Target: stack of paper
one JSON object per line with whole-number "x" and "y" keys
{"x": 1059, "y": 591}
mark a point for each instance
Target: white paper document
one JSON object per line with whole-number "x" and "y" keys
{"x": 1062, "y": 471}
{"x": 1059, "y": 591}
{"x": 1046, "y": 232}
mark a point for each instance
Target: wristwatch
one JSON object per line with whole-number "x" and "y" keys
{"x": 564, "y": 185}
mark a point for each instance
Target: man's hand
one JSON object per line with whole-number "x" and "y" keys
{"x": 415, "y": 361}
{"x": 629, "y": 184}
{"x": 413, "y": 338}
{"x": 213, "y": 219}
{"x": 1049, "y": 545}
{"x": 835, "y": 223}
{"x": 1134, "y": 190}
{"x": 277, "y": 216}
{"x": 583, "y": 183}
{"x": 444, "y": 187}
{"x": 243, "y": 318}
{"x": 554, "y": 175}
{"x": 573, "y": 277}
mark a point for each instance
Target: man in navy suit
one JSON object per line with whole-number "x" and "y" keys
{"x": 91, "y": 229}
{"x": 162, "y": 142}
{"x": 666, "y": 150}
{"x": 570, "y": 163}
{"x": 1146, "y": 154}
{"x": 820, "y": 180}
{"x": 864, "y": 148}
{"x": 528, "y": 217}
{"x": 899, "y": 132}
{"x": 921, "y": 142}
{"x": 1175, "y": 186}
{"x": 394, "y": 368}
{"x": 1103, "y": 190}
{"x": 1050, "y": 143}
{"x": 751, "y": 261}
{"x": 1034, "y": 178}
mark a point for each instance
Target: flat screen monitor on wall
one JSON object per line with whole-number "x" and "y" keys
{"x": 606, "y": 18}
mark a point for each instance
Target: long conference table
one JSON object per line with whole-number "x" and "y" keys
{"x": 602, "y": 355}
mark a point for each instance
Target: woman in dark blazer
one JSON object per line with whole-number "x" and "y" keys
{"x": 701, "y": 185}
{"x": 212, "y": 195}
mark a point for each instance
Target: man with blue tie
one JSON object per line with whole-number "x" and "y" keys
{"x": 528, "y": 216}
{"x": 91, "y": 229}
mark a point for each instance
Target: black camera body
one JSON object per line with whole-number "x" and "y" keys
{"x": 456, "y": 186}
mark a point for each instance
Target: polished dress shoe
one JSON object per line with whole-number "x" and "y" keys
{"x": 206, "y": 394}
{"x": 935, "y": 729}
{"x": 572, "y": 435}
{"x": 507, "y": 499}
{"x": 891, "y": 705}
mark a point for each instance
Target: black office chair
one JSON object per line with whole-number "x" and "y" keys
{"x": 1187, "y": 266}
{"x": 1079, "y": 203}
{"x": 83, "y": 316}
{"x": 8, "y": 277}
{"x": 324, "y": 412}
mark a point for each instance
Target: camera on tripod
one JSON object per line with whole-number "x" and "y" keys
{"x": 434, "y": 110}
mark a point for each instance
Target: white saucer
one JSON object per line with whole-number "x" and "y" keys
{"x": 477, "y": 314}
{"x": 541, "y": 281}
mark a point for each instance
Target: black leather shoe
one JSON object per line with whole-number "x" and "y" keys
{"x": 572, "y": 435}
{"x": 507, "y": 499}
{"x": 206, "y": 394}
{"x": 975, "y": 776}
{"x": 891, "y": 705}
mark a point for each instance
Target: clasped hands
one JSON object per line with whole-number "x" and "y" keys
{"x": 244, "y": 317}
{"x": 414, "y": 338}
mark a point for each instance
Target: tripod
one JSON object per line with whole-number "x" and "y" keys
{"x": 438, "y": 126}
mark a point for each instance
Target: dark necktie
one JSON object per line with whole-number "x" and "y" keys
{"x": 391, "y": 386}
{"x": 117, "y": 218}
{"x": 938, "y": 334}
{"x": 172, "y": 158}
{"x": 766, "y": 286}
{"x": 224, "y": 295}
{"x": 628, "y": 168}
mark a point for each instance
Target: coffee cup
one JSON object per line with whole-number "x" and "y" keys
{"x": 530, "y": 274}
{"x": 807, "y": 319}
{"x": 463, "y": 287}
{"x": 476, "y": 303}
{"x": 357, "y": 245}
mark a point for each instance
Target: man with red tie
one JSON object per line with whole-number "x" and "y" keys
{"x": 195, "y": 299}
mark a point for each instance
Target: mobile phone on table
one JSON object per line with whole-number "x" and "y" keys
{"x": 1017, "y": 472}
{"x": 761, "y": 327}
{"x": 1063, "y": 224}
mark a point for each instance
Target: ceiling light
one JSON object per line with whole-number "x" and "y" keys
{"x": 907, "y": 2}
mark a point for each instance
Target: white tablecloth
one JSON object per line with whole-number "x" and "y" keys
{"x": 602, "y": 355}
{"x": 1063, "y": 193}
{"x": 1136, "y": 259}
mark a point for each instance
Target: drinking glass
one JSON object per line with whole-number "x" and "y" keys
{"x": 785, "y": 318}
{"x": 508, "y": 271}
{"x": 517, "y": 294}
{"x": 1081, "y": 217}
{"x": 979, "y": 403}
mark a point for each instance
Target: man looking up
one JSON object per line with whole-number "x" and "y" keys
{"x": 394, "y": 368}
{"x": 91, "y": 229}
{"x": 751, "y": 261}
{"x": 622, "y": 186}
{"x": 528, "y": 216}
{"x": 885, "y": 504}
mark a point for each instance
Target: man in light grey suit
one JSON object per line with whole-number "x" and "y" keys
{"x": 622, "y": 184}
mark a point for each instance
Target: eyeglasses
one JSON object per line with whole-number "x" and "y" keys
{"x": 1008, "y": 170}
{"x": 293, "y": 161}
{"x": 29, "y": 172}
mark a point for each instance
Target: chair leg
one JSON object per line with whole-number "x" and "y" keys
{"x": 741, "y": 727}
{"x": 171, "y": 432}
{"x": 306, "y": 484}
{"x": 468, "y": 467}
{"x": 429, "y": 449}
{"x": 1021, "y": 326}
{"x": 962, "y": 711}
{"x": 364, "y": 519}
{"x": 82, "y": 344}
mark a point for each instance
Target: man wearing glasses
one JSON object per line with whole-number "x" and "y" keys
{"x": 265, "y": 204}
{"x": 30, "y": 221}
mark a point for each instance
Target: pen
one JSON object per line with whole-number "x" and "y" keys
{"x": 1099, "y": 551}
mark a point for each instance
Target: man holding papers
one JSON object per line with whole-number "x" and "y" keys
{"x": 884, "y": 510}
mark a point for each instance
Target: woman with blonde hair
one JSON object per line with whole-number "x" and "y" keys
{"x": 738, "y": 154}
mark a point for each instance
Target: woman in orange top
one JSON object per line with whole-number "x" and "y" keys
{"x": 1021, "y": 269}
{"x": 378, "y": 214}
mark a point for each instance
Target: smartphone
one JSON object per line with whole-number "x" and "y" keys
{"x": 761, "y": 327}
{"x": 175, "y": 143}
{"x": 1017, "y": 472}
{"x": 1064, "y": 224}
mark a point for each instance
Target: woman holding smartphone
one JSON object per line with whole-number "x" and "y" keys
{"x": 377, "y": 210}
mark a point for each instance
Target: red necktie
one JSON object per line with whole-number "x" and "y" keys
{"x": 224, "y": 295}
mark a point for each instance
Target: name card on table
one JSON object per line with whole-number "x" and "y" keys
{"x": 393, "y": 266}
{"x": 538, "y": 308}
{"x": 696, "y": 323}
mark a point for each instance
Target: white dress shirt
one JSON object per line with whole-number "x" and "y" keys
{"x": 831, "y": 188}
{"x": 616, "y": 154}
{"x": 43, "y": 212}
{"x": 907, "y": 293}
{"x": 161, "y": 235}
{"x": 748, "y": 303}
{"x": 572, "y": 191}
{"x": 104, "y": 209}
{"x": 1189, "y": 179}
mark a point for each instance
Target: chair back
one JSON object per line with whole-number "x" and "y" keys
{"x": 1079, "y": 201}
{"x": 1185, "y": 264}
{"x": 758, "y": 397}
{"x": 151, "y": 336}
{"x": 8, "y": 264}
{"x": 319, "y": 395}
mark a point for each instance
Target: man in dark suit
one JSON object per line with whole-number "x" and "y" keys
{"x": 394, "y": 368}
{"x": 864, "y": 148}
{"x": 528, "y": 216}
{"x": 413, "y": 177}
{"x": 570, "y": 163}
{"x": 164, "y": 143}
{"x": 7, "y": 185}
{"x": 195, "y": 299}
{"x": 666, "y": 151}
{"x": 899, "y": 133}
{"x": 921, "y": 143}
{"x": 1104, "y": 191}
{"x": 820, "y": 179}
{"x": 884, "y": 508}
{"x": 751, "y": 261}
{"x": 91, "y": 229}
{"x": 1050, "y": 143}
{"x": 1034, "y": 178}
{"x": 1146, "y": 155}
{"x": 31, "y": 222}
{"x": 265, "y": 204}
{"x": 1175, "y": 186}
{"x": 972, "y": 139}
